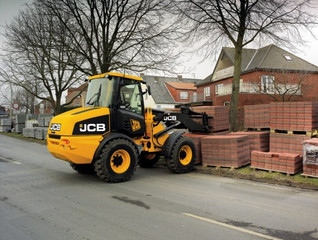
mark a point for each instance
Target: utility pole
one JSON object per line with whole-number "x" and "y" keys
{"x": 11, "y": 101}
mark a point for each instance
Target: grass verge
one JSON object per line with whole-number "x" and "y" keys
{"x": 277, "y": 178}
{"x": 20, "y": 136}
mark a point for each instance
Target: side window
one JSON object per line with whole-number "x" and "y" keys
{"x": 130, "y": 98}
{"x": 267, "y": 83}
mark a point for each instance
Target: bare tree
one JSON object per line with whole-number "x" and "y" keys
{"x": 216, "y": 22}
{"x": 112, "y": 35}
{"x": 285, "y": 86}
{"x": 19, "y": 95}
{"x": 36, "y": 57}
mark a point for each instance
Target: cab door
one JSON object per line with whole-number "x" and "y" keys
{"x": 130, "y": 109}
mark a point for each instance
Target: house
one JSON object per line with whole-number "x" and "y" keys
{"x": 3, "y": 112}
{"x": 43, "y": 107}
{"x": 268, "y": 74}
{"x": 169, "y": 91}
{"x": 76, "y": 95}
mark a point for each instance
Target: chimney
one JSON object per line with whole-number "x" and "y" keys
{"x": 179, "y": 78}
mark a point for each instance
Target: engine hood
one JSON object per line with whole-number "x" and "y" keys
{"x": 88, "y": 120}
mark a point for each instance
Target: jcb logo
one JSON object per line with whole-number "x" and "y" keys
{"x": 135, "y": 125}
{"x": 55, "y": 127}
{"x": 92, "y": 127}
{"x": 170, "y": 118}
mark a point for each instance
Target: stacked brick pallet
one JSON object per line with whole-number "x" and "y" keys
{"x": 258, "y": 141}
{"x": 294, "y": 116}
{"x": 225, "y": 151}
{"x": 287, "y": 143}
{"x": 310, "y": 163}
{"x": 291, "y": 123}
{"x": 256, "y": 116}
{"x": 280, "y": 162}
{"x": 5, "y": 125}
{"x": 220, "y": 121}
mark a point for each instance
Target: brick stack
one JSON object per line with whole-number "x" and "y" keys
{"x": 258, "y": 141}
{"x": 225, "y": 151}
{"x": 220, "y": 121}
{"x": 256, "y": 116}
{"x": 294, "y": 116}
{"x": 5, "y": 125}
{"x": 197, "y": 143}
{"x": 291, "y": 123}
{"x": 281, "y": 162}
{"x": 310, "y": 163}
{"x": 287, "y": 143}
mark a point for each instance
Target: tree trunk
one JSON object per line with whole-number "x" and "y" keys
{"x": 235, "y": 89}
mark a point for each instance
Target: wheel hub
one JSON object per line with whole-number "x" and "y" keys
{"x": 185, "y": 155}
{"x": 118, "y": 160}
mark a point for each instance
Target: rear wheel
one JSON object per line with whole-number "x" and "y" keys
{"x": 83, "y": 168}
{"x": 183, "y": 156}
{"x": 117, "y": 161}
{"x": 148, "y": 160}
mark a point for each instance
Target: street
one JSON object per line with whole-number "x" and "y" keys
{"x": 42, "y": 197}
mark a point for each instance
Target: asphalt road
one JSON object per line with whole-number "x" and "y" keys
{"x": 43, "y": 198}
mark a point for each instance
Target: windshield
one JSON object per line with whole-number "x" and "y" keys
{"x": 99, "y": 93}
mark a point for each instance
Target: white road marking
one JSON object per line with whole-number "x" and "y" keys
{"x": 231, "y": 226}
{"x": 9, "y": 160}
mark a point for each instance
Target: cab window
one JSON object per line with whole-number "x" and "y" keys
{"x": 130, "y": 97}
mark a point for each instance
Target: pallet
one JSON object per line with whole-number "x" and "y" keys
{"x": 256, "y": 129}
{"x": 291, "y": 132}
{"x": 309, "y": 176}
{"x": 271, "y": 171}
{"x": 220, "y": 166}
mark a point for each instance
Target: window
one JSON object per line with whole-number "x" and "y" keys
{"x": 183, "y": 95}
{"x": 206, "y": 92}
{"x": 130, "y": 97}
{"x": 226, "y": 103}
{"x": 267, "y": 84}
{"x": 194, "y": 97}
{"x": 288, "y": 58}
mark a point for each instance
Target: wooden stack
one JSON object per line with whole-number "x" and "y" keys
{"x": 256, "y": 117}
{"x": 225, "y": 151}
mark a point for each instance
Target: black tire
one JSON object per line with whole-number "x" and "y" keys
{"x": 117, "y": 161}
{"x": 148, "y": 160}
{"x": 183, "y": 156}
{"x": 83, "y": 168}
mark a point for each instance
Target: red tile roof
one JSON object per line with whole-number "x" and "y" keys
{"x": 182, "y": 85}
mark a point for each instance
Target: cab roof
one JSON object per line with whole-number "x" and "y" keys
{"x": 115, "y": 74}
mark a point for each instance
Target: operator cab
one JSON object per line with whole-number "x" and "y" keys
{"x": 122, "y": 94}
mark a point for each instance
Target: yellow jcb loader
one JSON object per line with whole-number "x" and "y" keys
{"x": 114, "y": 132}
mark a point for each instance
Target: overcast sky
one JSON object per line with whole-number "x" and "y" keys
{"x": 309, "y": 52}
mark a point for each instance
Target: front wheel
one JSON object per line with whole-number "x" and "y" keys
{"x": 183, "y": 156}
{"x": 117, "y": 161}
